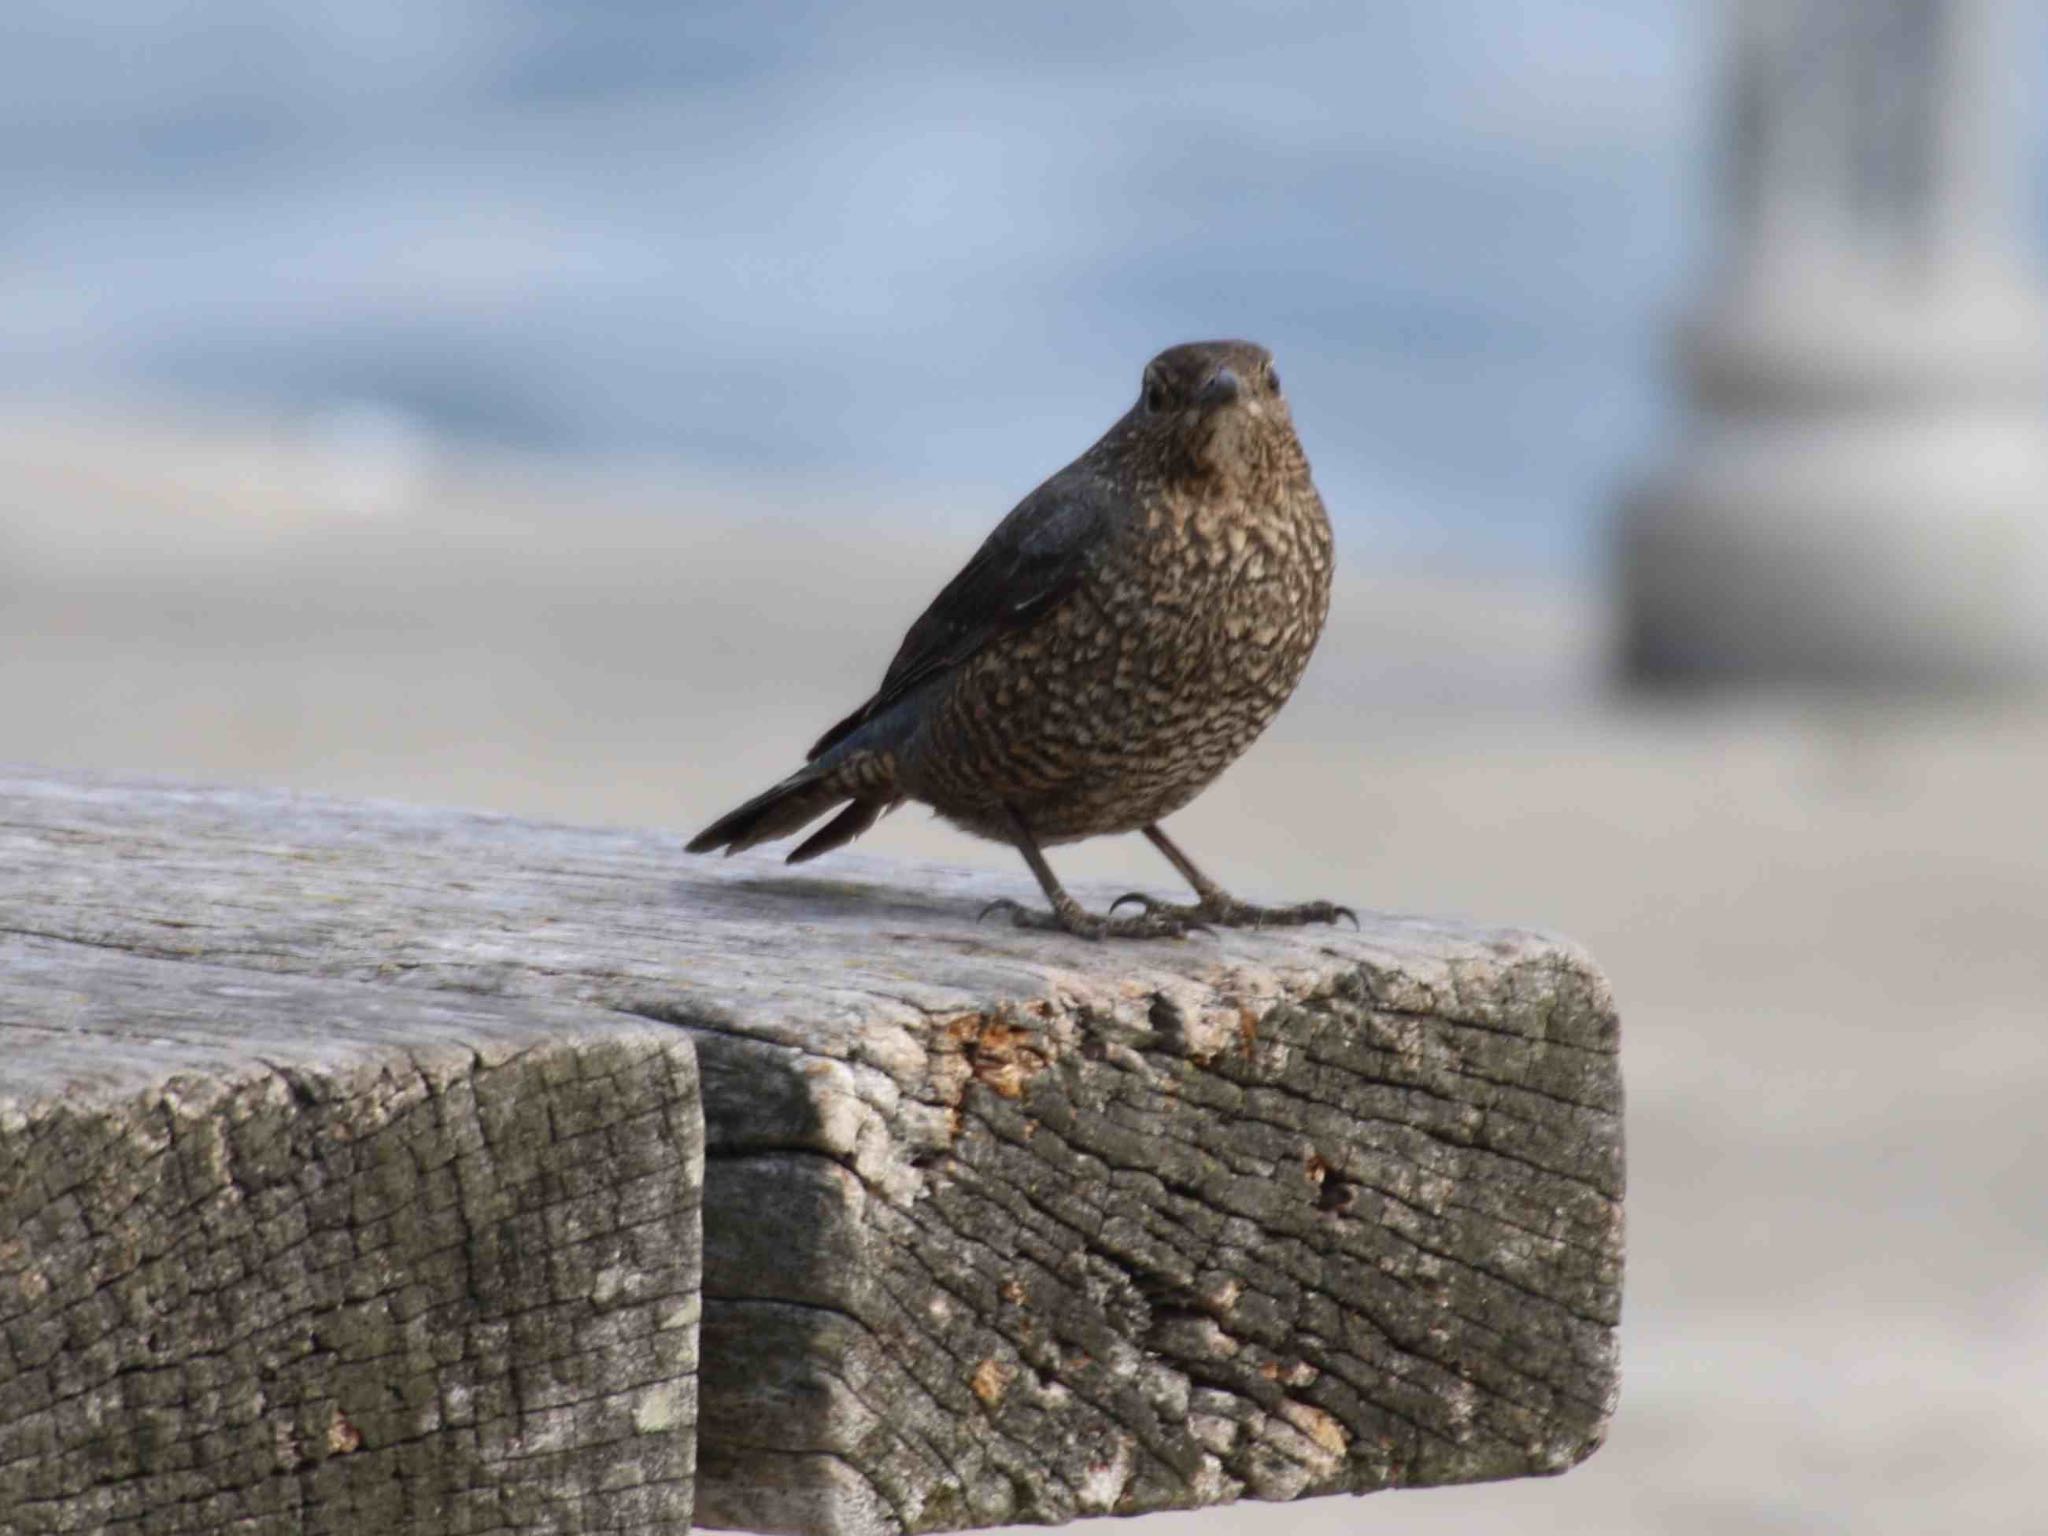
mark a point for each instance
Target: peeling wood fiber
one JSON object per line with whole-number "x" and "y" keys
{"x": 999, "y": 1226}
{"x": 281, "y": 1255}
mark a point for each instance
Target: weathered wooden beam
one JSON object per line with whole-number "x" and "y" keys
{"x": 999, "y": 1226}
{"x": 288, "y": 1255}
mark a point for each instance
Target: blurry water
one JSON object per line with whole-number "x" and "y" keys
{"x": 909, "y": 242}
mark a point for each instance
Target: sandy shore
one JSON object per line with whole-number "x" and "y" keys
{"x": 1828, "y": 927}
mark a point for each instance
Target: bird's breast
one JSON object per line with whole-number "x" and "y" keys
{"x": 1209, "y": 613}
{"x": 1184, "y": 638}
{"x": 1233, "y": 568}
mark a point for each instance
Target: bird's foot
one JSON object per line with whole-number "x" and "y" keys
{"x": 1073, "y": 918}
{"x": 1225, "y": 911}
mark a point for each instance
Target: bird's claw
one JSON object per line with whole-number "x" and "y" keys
{"x": 1157, "y": 921}
{"x": 1232, "y": 913}
{"x": 1229, "y": 912}
{"x": 1191, "y": 919}
{"x": 1327, "y": 912}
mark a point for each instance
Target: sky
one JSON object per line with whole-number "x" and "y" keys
{"x": 918, "y": 245}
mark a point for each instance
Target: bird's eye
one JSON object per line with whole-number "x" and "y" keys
{"x": 1272, "y": 380}
{"x": 1155, "y": 393}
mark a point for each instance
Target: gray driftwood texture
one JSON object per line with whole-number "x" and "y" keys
{"x": 284, "y": 1255}
{"x": 999, "y": 1226}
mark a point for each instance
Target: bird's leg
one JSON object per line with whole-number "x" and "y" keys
{"x": 1070, "y": 916}
{"x": 1218, "y": 906}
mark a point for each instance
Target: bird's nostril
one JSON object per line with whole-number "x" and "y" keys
{"x": 1222, "y": 389}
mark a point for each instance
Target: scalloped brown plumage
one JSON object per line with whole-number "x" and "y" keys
{"x": 1116, "y": 642}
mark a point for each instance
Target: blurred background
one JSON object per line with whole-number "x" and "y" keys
{"x": 564, "y": 410}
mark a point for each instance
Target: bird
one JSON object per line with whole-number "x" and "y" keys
{"x": 1114, "y": 644}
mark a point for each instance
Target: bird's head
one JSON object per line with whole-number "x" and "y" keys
{"x": 1218, "y": 403}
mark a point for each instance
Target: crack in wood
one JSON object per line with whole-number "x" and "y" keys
{"x": 999, "y": 1227}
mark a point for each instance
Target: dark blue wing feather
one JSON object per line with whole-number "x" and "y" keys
{"x": 1024, "y": 570}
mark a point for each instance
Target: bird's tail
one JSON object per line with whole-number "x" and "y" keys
{"x": 800, "y": 800}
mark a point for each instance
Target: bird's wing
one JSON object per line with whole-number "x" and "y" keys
{"x": 1021, "y": 573}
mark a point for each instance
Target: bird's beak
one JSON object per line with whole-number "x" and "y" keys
{"x": 1222, "y": 389}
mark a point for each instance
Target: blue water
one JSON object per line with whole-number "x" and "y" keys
{"x": 920, "y": 242}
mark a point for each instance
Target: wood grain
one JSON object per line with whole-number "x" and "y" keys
{"x": 288, "y": 1255}
{"x": 999, "y": 1226}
